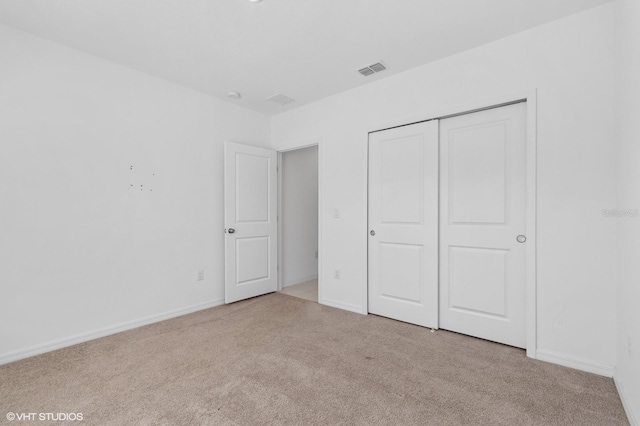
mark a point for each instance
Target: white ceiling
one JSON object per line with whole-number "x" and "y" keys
{"x": 305, "y": 49}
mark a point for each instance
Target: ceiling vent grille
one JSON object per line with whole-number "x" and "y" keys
{"x": 280, "y": 99}
{"x": 366, "y": 71}
{"x": 372, "y": 69}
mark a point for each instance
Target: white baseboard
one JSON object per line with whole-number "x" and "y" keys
{"x": 340, "y": 305}
{"x": 575, "y": 362}
{"x": 300, "y": 281}
{"x": 102, "y": 332}
{"x": 626, "y": 403}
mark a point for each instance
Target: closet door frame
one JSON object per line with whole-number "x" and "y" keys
{"x": 530, "y": 97}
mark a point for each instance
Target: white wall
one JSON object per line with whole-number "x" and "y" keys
{"x": 570, "y": 63}
{"x": 628, "y": 108}
{"x": 82, "y": 250}
{"x": 299, "y": 215}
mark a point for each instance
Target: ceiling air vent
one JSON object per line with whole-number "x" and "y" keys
{"x": 372, "y": 69}
{"x": 280, "y": 99}
{"x": 366, "y": 71}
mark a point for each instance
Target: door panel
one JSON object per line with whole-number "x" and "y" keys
{"x": 465, "y": 265}
{"x": 252, "y": 259}
{"x": 252, "y": 189}
{"x": 401, "y": 271}
{"x": 403, "y": 214}
{"x": 479, "y": 189}
{"x": 402, "y": 180}
{"x": 251, "y": 212}
{"x": 482, "y": 206}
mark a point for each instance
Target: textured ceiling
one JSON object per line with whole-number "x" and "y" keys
{"x": 305, "y": 49}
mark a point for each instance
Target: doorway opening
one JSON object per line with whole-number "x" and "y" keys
{"x": 298, "y": 192}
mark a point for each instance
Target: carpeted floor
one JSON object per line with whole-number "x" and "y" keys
{"x": 277, "y": 359}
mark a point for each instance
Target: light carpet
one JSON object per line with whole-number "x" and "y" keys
{"x": 277, "y": 359}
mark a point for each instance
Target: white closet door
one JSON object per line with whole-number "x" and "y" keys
{"x": 250, "y": 214}
{"x": 403, "y": 223}
{"x": 482, "y": 224}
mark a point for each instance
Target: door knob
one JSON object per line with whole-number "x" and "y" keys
{"x": 521, "y": 238}
{"x": 231, "y": 230}
{"x": 372, "y": 232}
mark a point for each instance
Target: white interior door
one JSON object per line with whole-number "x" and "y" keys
{"x": 403, "y": 223}
{"x": 250, "y": 214}
{"x": 482, "y": 215}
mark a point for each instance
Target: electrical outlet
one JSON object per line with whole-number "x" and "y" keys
{"x": 336, "y": 213}
{"x": 201, "y": 275}
{"x": 316, "y": 254}
{"x": 336, "y": 274}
